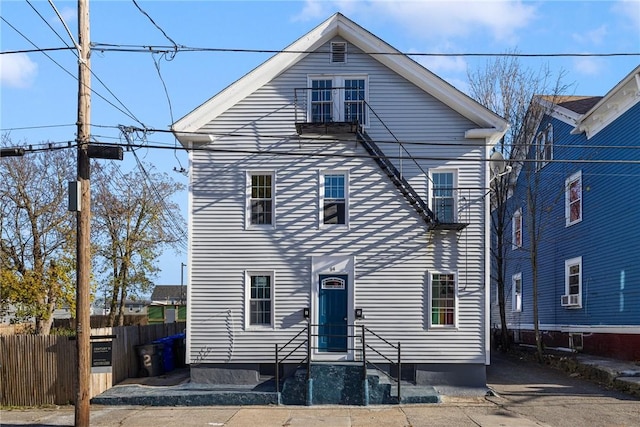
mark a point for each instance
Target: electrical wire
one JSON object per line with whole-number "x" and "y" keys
{"x": 107, "y": 47}
{"x": 76, "y": 55}
{"x": 67, "y": 71}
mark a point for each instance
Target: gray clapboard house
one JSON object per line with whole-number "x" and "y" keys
{"x": 336, "y": 189}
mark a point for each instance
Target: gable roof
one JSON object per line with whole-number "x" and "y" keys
{"x": 339, "y": 25}
{"x": 616, "y": 102}
{"x": 167, "y": 292}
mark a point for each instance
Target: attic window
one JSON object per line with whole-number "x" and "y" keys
{"x": 339, "y": 53}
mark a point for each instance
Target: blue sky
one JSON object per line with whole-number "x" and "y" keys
{"x": 39, "y": 99}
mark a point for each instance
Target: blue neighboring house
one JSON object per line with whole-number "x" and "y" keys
{"x": 584, "y": 169}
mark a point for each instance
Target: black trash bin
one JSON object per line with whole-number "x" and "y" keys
{"x": 150, "y": 359}
{"x": 179, "y": 349}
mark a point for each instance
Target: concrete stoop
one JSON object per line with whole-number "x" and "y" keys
{"x": 188, "y": 395}
{"x": 343, "y": 384}
{"x": 331, "y": 384}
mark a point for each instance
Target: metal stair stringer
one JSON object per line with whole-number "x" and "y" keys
{"x": 409, "y": 193}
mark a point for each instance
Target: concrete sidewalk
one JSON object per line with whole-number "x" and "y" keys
{"x": 523, "y": 393}
{"x": 474, "y": 412}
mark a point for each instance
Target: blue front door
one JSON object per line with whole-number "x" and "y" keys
{"x": 332, "y": 313}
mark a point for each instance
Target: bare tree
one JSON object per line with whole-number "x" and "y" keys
{"x": 136, "y": 219}
{"x": 506, "y": 87}
{"x": 37, "y": 235}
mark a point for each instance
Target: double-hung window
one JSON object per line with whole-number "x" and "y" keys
{"x": 444, "y": 295}
{"x": 260, "y": 199}
{"x": 573, "y": 283}
{"x": 338, "y": 99}
{"x": 516, "y": 230}
{"x": 544, "y": 146}
{"x": 573, "y": 199}
{"x": 333, "y": 197}
{"x": 443, "y": 196}
{"x": 259, "y": 303}
{"x": 516, "y": 292}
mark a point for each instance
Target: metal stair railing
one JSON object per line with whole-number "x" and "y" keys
{"x": 290, "y": 353}
{"x": 398, "y": 363}
{"x": 396, "y": 177}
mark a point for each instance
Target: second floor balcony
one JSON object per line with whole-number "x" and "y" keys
{"x": 327, "y": 110}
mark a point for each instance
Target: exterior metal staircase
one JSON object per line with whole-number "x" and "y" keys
{"x": 398, "y": 180}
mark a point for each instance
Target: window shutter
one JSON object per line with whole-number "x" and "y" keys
{"x": 339, "y": 52}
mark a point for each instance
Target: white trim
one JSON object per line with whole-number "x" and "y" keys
{"x": 567, "y": 265}
{"x": 337, "y": 81}
{"x": 594, "y": 329}
{"x": 516, "y": 299}
{"x": 190, "y": 227}
{"x": 247, "y": 300}
{"x": 567, "y": 196}
{"x": 517, "y": 216}
{"x": 339, "y": 26}
{"x": 429, "y": 293}
{"x": 614, "y": 104}
{"x": 247, "y": 211}
{"x": 333, "y": 265}
{"x": 431, "y": 187}
{"x": 321, "y": 175}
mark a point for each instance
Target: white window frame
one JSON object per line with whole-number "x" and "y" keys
{"x": 247, "y": 300}
{"x": 576, "y": 177}
{"x": 248, "y": 184}
{"x": 516, "y": 297}
{"x": 543, "y": 142}
{"x": 337, "y": 95}
{"x": 431, "y": 297}
{"x": 516, "y": 225}
{"x": 432, "y": 189}
{"x": 321, "y": 175}
{"x": 577, "y": 261}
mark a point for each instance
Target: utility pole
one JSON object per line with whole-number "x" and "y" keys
{"x": 83, "y": 216}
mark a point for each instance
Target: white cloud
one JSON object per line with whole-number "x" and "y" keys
{"x": 445, "y": 19}
{"x": 588, "y": 66}
{"x": 429, "y": 19}
{"x": 17, "y": 70}
{"x": 629, "y": 10}
{"x": 593, "y": 37}
{"x": 442, "y": 64}
{"x": 313, "y": 9}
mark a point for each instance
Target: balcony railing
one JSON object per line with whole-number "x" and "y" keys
{"x": 329, "y": 111}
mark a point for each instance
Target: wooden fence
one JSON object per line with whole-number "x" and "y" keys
{"x": 42, "y": 370}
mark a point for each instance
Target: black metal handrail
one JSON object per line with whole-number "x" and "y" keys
{"x": 365, "y": 346}
{"x": 278, "y": 350}
{"x": 397, "y": 347}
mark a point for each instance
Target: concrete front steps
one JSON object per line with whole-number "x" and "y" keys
{"x": 331, "y": 384}
{"x": 343, "y": 384}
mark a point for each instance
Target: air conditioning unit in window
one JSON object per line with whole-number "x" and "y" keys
{"x": 572, "y": 300}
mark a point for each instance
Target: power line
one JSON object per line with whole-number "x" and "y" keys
{"x": 175, "y": 45}
{"x": 107, "y": 47}
{"x": 76, "y": 55}
{"x": 37, "y": 50}
{"x": 72, "y": 75}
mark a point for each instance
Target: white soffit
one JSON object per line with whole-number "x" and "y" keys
{"x": 616, "y": 102}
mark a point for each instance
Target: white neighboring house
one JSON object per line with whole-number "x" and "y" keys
{"x": 342, "y": 180}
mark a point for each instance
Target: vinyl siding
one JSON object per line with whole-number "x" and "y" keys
{"x": 394, "y": 251}
{"x": 606, "y": 238}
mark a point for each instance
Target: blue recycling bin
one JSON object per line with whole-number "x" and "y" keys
{"x": 168, "y": 362}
